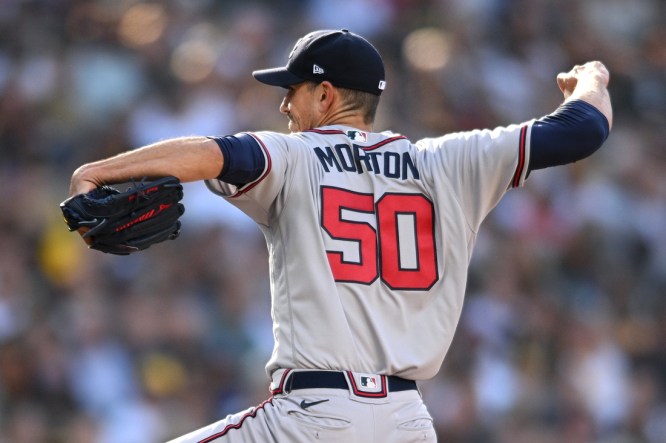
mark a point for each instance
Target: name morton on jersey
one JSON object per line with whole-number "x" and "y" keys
{"x": 353, "y": 158}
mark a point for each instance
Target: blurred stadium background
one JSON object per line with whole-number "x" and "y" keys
{"x": 563, "y": 337}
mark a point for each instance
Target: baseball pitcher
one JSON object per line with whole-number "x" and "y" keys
{"x": 369, "y": 234}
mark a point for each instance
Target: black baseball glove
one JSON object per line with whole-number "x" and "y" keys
{"x": 124, "y": 222}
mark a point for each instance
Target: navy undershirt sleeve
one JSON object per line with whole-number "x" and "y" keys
{"x": 244, "y": 160}
{"x": 571, "y": 133}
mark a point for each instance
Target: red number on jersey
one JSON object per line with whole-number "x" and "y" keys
{"x": 401, "y": 250}
{"x": 334, "y": 201}
{"x": 418, "y": 214}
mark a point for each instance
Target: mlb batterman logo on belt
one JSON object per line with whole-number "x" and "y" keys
{"x": 368, "y": 382}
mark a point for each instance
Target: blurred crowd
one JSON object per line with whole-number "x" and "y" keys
{"x": 563, "y": 335}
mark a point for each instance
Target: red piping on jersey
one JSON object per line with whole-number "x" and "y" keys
{"x": 263, "y": 176}
{"x": 521, "y": 157}
{"x": 280, "y": 388}
{"x": 367, "y": 148}
{"x": 325, "y": 131}
{"x": 383, "y": 142}
{"x": 224, "y": 431}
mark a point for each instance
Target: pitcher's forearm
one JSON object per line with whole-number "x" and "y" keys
{"x": 188, "y": 159}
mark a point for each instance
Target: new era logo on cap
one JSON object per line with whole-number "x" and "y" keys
{"x": 316, "y": 69}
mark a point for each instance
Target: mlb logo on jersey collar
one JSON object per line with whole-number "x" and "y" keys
{"x": 357, "y": 136}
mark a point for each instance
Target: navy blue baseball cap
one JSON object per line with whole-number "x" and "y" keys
{"x": 345, "y": 59}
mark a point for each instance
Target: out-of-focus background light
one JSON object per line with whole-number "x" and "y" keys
{"x": 194, "y": 59}
{"x": 427, "y": 49}
{"x": 142, "y": 24}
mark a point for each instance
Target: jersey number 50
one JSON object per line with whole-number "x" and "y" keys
{"x": 402, "y": 248}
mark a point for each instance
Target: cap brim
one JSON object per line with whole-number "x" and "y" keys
{"x": 277, "y": 77}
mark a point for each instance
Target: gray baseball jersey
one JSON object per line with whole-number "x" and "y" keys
{"x": 369, "y": 238}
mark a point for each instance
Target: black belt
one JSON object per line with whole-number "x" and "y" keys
{"x": 337, "y": 380}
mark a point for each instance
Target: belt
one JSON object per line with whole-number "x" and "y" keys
{"x": 362, "y": 385}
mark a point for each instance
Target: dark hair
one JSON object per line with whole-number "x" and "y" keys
{"x": 355, "y": 100}
{"x": 364, "y": 102}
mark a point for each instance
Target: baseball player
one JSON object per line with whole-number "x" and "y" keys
{"x": 369, "y": 234}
